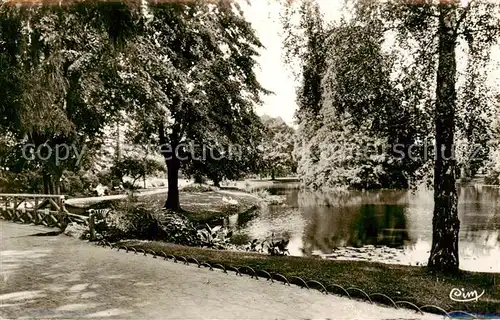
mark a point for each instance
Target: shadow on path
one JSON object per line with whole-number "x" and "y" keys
{"x": 59, "y": 277}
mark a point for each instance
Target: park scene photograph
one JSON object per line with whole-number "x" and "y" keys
{"x": 250, "y": 159}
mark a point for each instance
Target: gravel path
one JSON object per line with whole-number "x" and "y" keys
{"x": 49, "y": 277}
{"x": 91, "y": 200}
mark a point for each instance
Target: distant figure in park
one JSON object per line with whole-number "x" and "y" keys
{"x": 101, "y": 190}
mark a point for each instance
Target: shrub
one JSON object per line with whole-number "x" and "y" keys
{"x": 216, "y": 237}
{"x": 199, "y": 179}
{"x": 108, "y": 178}
{"x": 274, "y": 246}
{"x": 198, "y": 188}
{"x": 129, "y": 185}
{"x": 71, "y": 183}
{"x": 144, "y": 220}
{"x": 492, "y": 178}
{"x": 28, "y": 181}
{"x": 240, "y": 239}
{"x": 77, "y": 183}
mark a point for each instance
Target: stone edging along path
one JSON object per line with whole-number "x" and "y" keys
{"x": 308, "y": 284}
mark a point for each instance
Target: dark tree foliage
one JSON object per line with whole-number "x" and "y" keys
{"x": 363, "y": 105}
{"x": 57, "y": 79}
{"x": 198, "y": 58}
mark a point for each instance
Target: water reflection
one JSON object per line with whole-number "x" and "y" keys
{"x": 355, "y": 226}
{"x": 386, "y": 226}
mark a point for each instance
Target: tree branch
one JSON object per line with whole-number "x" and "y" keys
{"x": 161, "y": 132}
{"x": 461, "y": 19}
{"x": 487, "y": 28}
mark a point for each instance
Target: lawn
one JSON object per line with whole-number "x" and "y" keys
{"x": 210, "y": 206}
{"x": 200, "y": 207}
{"x": 402, "y": 283}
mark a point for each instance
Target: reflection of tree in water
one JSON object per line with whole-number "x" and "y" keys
{"x": 480, "y": 215}
{"x": 478, "y": 209}
{"x": 338, "y": 219}
{"x": 343, "y": 197}
{"x": 380, "y": 225}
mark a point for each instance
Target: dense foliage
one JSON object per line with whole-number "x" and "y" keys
{"x": 182, "y": 73}
{"x": 277, "y": 148}
{"x": 57, "y": 65}
{"x": 197, "y": 60}
{"x": 356, "y": 94}
{"x": 135, "y": 168}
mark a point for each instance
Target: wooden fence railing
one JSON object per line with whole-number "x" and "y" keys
{"x": 48, "y": 210}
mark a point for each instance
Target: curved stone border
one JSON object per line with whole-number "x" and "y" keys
{"x": 301, "y": 282}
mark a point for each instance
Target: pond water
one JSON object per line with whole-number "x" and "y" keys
{"x": 385, "y": 226}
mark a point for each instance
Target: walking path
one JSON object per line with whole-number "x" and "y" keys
{"x": 49, "y": 277}
{"x": 91, "y": 200}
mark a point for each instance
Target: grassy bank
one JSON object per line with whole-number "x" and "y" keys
{"x": 210, "y": 206}
{"x": 252, "y": 184}
{"x": 401, "y": 283}
{"x": 201, "y": 204}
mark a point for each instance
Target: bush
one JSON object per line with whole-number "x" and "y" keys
{"x": 143, "y": 220}
{"x": 275, "y": 246}
{"x": 198, "y": 188}
{"x": 199, "y": 179}
{"x": 133, "y": 221}
{"x": 108, "y": 178}
{"x": 77, "y": 183}
{"x": 178, "y": 229}
{"x": 24, "y": 182}
{"x": 215, "y": 238}
{"x": 129, "y": 186}
{"x": 492, "y": 178}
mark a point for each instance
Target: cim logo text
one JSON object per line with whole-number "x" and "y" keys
{"x": 460, "y": 295}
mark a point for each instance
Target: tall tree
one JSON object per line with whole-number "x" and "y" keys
{"x": 445, "y": 222}
{"x": 428, "y": 32}
{"x": 277, "y": 148}
{"x": 357, "y": 105}
{"x": 59, "y": 90}
{"x": 448, "y": 23}
{"x": 304, "y": 51}
{"x": 188, "y": 51}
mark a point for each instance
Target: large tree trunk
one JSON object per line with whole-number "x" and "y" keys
{"x": 216, "y": 181}
{"x": 173, "y": 166}
{"x": 49, "y": 184}
{"x": 445, "y": 222}
{"x": 273, "y": 174}
{"x": 172, "y": 202}
{"x": 198, "y": 178}
{"x": 46, "y": 183}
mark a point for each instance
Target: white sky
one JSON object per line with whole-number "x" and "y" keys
{"x": 274, "y": 76}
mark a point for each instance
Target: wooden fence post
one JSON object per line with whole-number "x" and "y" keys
{"x": 14, "y": 209}
{"x": 63, "y": 222}
{"x": 92, "y": 226}
{"x": 35, "y": 212}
